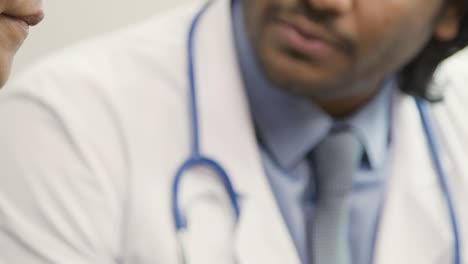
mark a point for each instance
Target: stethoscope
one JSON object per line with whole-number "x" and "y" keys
{"x": 197, "y": 158}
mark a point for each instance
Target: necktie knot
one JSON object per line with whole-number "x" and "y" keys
{"x": 335, "y": 160}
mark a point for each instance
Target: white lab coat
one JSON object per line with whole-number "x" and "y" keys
{"x": 90, "y": 140}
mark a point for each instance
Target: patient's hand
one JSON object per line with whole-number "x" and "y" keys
{"x": 15, "y": 18}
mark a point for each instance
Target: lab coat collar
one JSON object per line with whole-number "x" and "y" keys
{"x": 413, "y": 226}
{"x": 227, "y": 133}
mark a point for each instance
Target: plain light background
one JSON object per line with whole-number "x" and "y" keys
{"x": 69, "y": 21}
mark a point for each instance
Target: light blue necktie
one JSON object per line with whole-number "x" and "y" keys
{"x": 335, "y": 161}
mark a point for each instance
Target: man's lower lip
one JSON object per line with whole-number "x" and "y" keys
{"x": 310, "y": 47}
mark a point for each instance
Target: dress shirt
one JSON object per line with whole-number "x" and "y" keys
{"x": 289, "y": 127}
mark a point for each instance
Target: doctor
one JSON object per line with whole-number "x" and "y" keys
{"x": 305, "y": 105}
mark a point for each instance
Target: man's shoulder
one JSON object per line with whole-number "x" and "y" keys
{"x": 153, "y": 47}
{"x": 145, "y": 60}
{"x": 452, "y": 77}
{"x": 452, "y": 113}
{"x": 138, "y": 67}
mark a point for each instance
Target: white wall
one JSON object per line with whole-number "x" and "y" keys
{"x": 68, "y": 21}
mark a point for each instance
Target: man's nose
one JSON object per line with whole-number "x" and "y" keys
{"x": 331, "y": 6}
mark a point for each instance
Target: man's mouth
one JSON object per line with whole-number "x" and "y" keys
{"x": 309, "y": 30}
{"x": 308, "y": 36}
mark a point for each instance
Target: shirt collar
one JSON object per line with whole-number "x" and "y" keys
{"x": 288, "y": 126}
{"x": 372, "y": 124}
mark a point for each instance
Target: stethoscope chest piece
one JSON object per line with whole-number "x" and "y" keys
{"x": 206, "y": 222}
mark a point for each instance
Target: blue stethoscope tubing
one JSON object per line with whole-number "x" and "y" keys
{"x": 442, "y": 178}
{"x": 196, "y": 158}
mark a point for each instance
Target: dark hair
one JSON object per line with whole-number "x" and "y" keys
{"x": 416, "y": 77}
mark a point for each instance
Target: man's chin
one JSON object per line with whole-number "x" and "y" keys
{"x": 304, "y": 85}
{"x": 5, "y": 67}
{"x": 297, "y": 75}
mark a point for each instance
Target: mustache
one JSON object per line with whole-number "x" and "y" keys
{"x": 275, "y": 11}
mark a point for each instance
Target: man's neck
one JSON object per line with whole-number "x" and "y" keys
{"x": 343, "y": 107}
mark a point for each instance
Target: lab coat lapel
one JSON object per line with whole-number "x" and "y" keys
{"x": 414, "y": 227}
{"x": 227, "y": 134}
